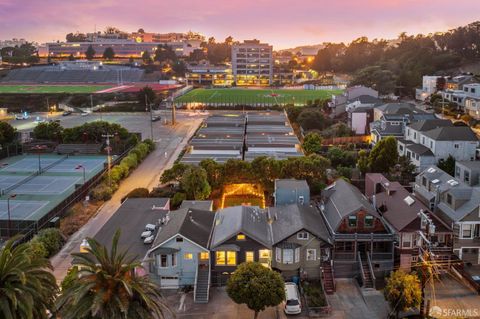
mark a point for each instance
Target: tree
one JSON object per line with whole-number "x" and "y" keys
{"x": 107, "y": 285}
{"x": 256, "y": 286}
{"x": 322, "y": 61}
{"x": 146, "y": 57}
{"x": 8, "y": 133}
{"x": 312, "y": 143}
{"x": 146, "y": 93}
{"x": 377, "y": 78}
{"x": 52, "y": 240}
{"x": 362, "y": 161}
{"x": 197, "y": 55}
{"x": 215, "y": 172}
{"x": 195, "y": 184}
{"x": 311, "y": 118}
{"x": 90, "y": 53}
{"x": 108, "y": 54}
{"x": 448, "y": 165}
{"x": 383, "y": 155}
{"x": 164, "y": 53}
{"x": 51, "y": 131}
{"x": 402, "y": 291}
{"x": 174, "y": 174}
{"x": 403, "y": 171}
{"x": 27, "y": 286}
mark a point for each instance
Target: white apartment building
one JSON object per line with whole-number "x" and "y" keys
{"x": 252, "y": 63}
{"x": 429, "y": 86}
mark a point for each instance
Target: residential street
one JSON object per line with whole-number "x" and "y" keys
{"x": 170, "y": 143}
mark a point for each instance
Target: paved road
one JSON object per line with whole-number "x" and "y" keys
{"x": 170, "y": 140}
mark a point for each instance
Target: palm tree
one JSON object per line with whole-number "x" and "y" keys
{"x": 107, "y": 286}
{"x": 27, "y": 287}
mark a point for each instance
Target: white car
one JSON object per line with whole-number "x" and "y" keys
{"x": 146, "y": 234}
{"x": 21, "y": 117}
{"x": 150, "y": 227}
{"x": 293, "y": 305}
{"x": 84, "y": 113}
{"x": 149, "y": 240}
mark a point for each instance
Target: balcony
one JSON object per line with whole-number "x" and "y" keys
{"x": 363, "y": 237}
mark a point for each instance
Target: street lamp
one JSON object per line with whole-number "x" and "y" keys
{"x": 83, "y": 168}
{"x": 8, "y": 212}
{"x": 39, "y": 148}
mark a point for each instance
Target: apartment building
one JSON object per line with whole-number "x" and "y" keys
{"x": 252, "y": 63}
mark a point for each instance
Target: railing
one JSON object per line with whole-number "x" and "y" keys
{"x": 371, "y": 236}
{"x": 333, "y": 275}
{"x": 344, "y": 256}
{"x": 209, "y": 274}
{"x": 371, "y": 270}
{"x": 382, "y": 256}
{"x": 361, "y": 268}
{"x": 195, "y": 285}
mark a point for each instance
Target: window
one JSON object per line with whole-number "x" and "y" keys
{"x": 424, "y": 181}
{"x": 311, "y": 254}
{"x": 368, "y": 221}
{"x": 278, "y": 255}
{"x": 407, "y": 240}
{"x": 188, "y": 256}
{"x": 456, "y": 145}
{"x": 466, "y": 231}
{"x": 466, "y": 177}
{"x": 297, "y": 255}
{"x": 352, "y": 221}
{"x": 163, "y": 261}
{"x": 457, "y": 172}
{"x": 205, "y": 255}
{"x": 449, "y": 199}
{"x": 231, "y": 258}
{"x": 264, "y": 253}
{"x": 249, "y": 256}
{"x": 220, "y": 257}
{"x": 288, "y": 256}
{"x": 302, "y": 235}
{"x": 179, "y": 239}
{"x": 240, "y": 237}
{"x": 174, "y": 260}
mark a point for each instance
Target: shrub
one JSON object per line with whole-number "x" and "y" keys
{"x": 161, "y": 192}
{"x": 52, "y": 240}
{"x": 141, "y": 150}
{"x": 137, "y": 193}
{"x": 131, "y": 161}
{"x": 36, "y": 248}
{"x": 150, "y": 144}
{"x": 117, "y": 173}
{"x": 71, "y": 276}
{"x": 177, "y": 199}
{"x": 102, "y": 192}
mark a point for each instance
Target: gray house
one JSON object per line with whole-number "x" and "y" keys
{"x": 180, "y": 252}
{"x": 291, "y": 191}
{"x": 301, "y": 241}
{"x": 468, "y": 172}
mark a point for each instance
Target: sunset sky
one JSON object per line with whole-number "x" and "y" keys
{"x": 282, "y": 23}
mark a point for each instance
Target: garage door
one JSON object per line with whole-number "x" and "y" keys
{"x": 169, "y": 282}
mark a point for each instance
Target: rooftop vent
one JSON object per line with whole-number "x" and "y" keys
{"x": 452, "y": 182}
{"x": 157, "y": 207}
{"x": 409, "y": 200}
{"x": 431, "y": 170}
{"x": 435, "y": 181}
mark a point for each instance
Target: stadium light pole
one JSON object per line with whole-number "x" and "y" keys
{"x": 8, "y": 212}
{"x": 83, "y": 168}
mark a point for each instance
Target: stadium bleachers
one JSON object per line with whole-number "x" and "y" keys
{"x": 56, "y": 74}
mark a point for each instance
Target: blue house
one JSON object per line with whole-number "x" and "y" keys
{"x": 179, "y": 255}
{"x": 291, "y": 191}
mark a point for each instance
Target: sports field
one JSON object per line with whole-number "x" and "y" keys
{"x": 237, "y": 96}
{"x": 51, "y": 89}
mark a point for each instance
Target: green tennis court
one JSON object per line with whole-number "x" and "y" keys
{"x": 237, "y": 96}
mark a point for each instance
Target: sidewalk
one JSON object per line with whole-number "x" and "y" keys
{"x": 146, "y": 175}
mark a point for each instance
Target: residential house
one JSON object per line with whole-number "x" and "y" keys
{"x": 391, "y": 119}
{"x": 429, "y": 86}
{"x": 468, "y": 172}
{"x": 363, "y": 244}
{"x": 457, "y": 204}
{"x": 291, "y": 191}
{"x": 469, "y": 92}
{"x": 457, "y": 82}
{"x": 180, "y": 252}
{"x": 301, "y": 240}
{"x": 339, "y": 102}
{"x": 360, "y": 113}
{"x": 197, "y": 204}
{"x": 138, "y": 212}
{"x": 428, "y": 142}
{"x": 407, "y": 218}
{"x": 241, "y": 234}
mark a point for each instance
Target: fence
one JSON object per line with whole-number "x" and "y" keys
{"x": 347, "y": 140}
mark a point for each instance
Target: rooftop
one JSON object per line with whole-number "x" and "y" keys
{"x": 452, "y": 133}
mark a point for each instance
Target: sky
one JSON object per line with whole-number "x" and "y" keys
{"x": 282, "y": 23}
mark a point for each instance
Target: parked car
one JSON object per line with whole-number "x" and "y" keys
{"x": 22, "y": 116}
{"x": 292, "y": 299}
{"x": 146, "y": 234}
{"x": 39, "y": 119}
{"x": 84, "y": 113}
{"x": 149, "y": 240}
{"x": 156, "y": 118}
{"x": 66, "y": 113}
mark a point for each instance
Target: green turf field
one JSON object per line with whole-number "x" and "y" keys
{"x": 51, "y": 89}
{"x": 253, "y": 96}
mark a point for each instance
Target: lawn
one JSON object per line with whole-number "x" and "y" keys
{"x": 254, "y": 96}
{"x": 51, "y": 89}
{"x": 243, "y": 200}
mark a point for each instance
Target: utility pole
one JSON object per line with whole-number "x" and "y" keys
{"x": 149, "y": 106}
{"x": 109, "y": 149}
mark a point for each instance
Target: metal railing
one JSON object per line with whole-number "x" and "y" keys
{"x": 371, "y": 236}
{"x": 361, "y": 268}
{"x": 195, "y": 285}
{"x": 371, "y": 270}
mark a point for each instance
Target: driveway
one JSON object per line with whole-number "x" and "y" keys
{"x": 169, "y": 145}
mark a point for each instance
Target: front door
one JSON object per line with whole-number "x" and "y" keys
{"x": 204, "y": 259}
{"x": 363, "y": 248}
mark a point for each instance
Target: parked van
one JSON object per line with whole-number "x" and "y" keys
{"x": 292, "y": 299}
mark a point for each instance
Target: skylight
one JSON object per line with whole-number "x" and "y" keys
{"x": 409, "y": 200}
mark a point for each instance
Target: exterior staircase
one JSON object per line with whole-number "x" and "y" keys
{"x": 328, "y": 278}
{"x": 202, "y": 285}
{"x": 368, "y": 280}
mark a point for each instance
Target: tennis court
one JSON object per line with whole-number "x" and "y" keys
{"x": 20, "y": 209}
{"x": 70, "y": 164}
{"x": 47, "y": 185}
{"x": 7, "y": 181}
{"x": 30, "y": 164}
{"x": 63, "y": 164}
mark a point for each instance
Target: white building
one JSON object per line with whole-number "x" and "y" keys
{"x": 429, "y": 86}
{"x": 252, "y": 63}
